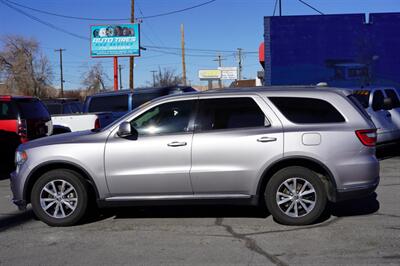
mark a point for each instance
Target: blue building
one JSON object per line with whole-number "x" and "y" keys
{"x": 343, "y": 50}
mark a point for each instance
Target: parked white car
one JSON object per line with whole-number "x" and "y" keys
{"x": 383, "y": 108}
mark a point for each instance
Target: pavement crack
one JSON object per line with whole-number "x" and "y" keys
{"x": 334, "y": 220}
{"x": 250, "y": 243}
{"x": 387, "y": 215}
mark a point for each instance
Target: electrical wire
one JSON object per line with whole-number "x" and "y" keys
{"x": 199, "y": 50}
{"x": 159, "y": 49}
{"x": 276, "y": 4}
{"x": 150, "y": 26}
{"x": 109, "y": 19}
{"x": 310, "y": 6}
{"x": 48, "y": 24}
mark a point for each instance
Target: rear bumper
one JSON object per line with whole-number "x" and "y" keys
{"x": 356, "y": 192}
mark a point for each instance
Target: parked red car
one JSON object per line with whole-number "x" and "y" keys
{"x": 21, "y": 119}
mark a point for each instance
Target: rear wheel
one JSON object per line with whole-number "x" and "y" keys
{"x": 59, "y": 198}
{"x": 295, "y": 196}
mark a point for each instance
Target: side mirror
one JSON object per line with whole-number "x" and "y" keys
{"x": 125, "y": 130}
{"x": 387, "y": 104}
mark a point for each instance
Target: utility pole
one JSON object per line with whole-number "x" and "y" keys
{"x": 183, "y": 55}
{"x": 61, "y": 71}
{"x": 280, "y": 7}
{"x": 131, "y": 59}
{"x": 219, "y": 59}
{"x": 240, "y": 62}
{"x": 154, "y": 77}
{"x": 120, "y": 77}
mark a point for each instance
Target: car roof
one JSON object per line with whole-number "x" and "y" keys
{"x": 139, "y": 90}
{"x": 370, "y": 88}
{"x": 10, "y": 97}
{"x": 60, "y": 100}
{"x": 272, "y": 90}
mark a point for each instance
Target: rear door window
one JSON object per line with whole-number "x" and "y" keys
{"x": 54, "y": 108}
{"x": 67, "y": 108}
{"x": 76, "y": 107}
{"x": 140, "y": 98}
{"x": 229, "y": 113}
{"x": 7, "y": 111}
{"x": 393, "y": 96}
{"x": 117, "y": 103}
{"x": 32, "y": 109}
{"x": 307, "y": 110}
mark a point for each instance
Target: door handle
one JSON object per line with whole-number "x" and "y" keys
{"x": 176, "y": 144}
{"x": 266, "y": 139}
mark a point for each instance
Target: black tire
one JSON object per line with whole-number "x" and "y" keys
{"x": 304, "y": 216}
{"x": 76, "y": 181}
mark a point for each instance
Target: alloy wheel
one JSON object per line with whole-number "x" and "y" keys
{"x": 296, "y": 197}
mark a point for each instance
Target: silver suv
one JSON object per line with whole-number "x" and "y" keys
{"x": 291, "y": 149}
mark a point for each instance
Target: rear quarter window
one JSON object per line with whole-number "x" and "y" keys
{"x": 117, "y": 103}
{"x": 7, "y": 111}
{"x": 32, "y": 109}
{"x": 362, "y": 97}
{"x": 307, "y": 110}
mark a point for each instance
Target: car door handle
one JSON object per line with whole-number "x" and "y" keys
{"x": 266, "y": 139}
{"x": 176, "y": 144}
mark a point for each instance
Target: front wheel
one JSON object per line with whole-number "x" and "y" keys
{"x": 295, "y": 196}
{"x": 59, "y": 198}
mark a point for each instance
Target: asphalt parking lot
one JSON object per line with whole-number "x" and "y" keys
{"x": 358, "y": 232}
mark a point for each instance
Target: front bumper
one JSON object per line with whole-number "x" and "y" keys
{"x": 356, "y": 192}
{"x": 17, "y": 191}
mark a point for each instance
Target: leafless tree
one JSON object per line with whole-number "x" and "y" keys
{"x": 94, "y": 79}
{"x": 166, "y": 77}
{"x": 25, "y": 68}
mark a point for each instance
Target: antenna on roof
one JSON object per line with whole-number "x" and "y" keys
{"x": 322, "y": 84}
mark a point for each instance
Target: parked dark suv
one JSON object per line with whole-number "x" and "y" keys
{"x": 21, "y": 119}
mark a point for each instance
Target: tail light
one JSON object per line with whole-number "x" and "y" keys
{"x": 97, "y": 123}
{"x": 23, "y": 130}
{"x": 5, "y": 98}
{"x": 367, "y": 136}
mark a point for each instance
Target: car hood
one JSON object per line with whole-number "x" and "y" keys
{"x": 73, "y": 137}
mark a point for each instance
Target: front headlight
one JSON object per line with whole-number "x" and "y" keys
{"x": 20, "y": 157}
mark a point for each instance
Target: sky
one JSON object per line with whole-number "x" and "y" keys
{"x": 221, "y": 26}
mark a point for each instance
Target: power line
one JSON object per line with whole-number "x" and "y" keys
{"x": 310, "y": 6}
{"x": 158, "y": 48}
{"x": 276, "y": 4}
{"x": 108, "y": 19}
{"x": 199, "y": 50}
{"x": 48, "y": 24}
{"x": 150, "y": 26}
